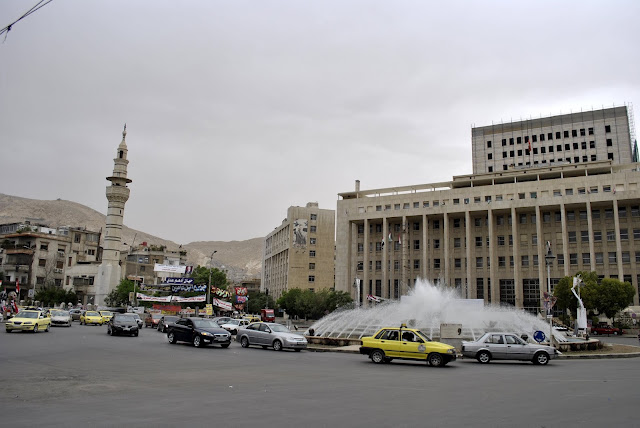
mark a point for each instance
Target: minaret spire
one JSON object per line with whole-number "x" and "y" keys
{"x": 109, "y": 273}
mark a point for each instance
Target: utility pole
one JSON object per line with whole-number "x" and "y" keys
{"x": 210, "y": 268}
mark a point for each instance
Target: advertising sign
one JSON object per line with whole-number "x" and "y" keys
{"x": 450, "y": 331}
{"x": 178, "y": 280}
{"x": 241, "y": 291}
{"x": 169, "y": 268}
{"x": 241, "y": 299}
{"x": 209, "y": 309}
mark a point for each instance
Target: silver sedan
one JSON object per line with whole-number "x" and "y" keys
{"x": 267, "y": 334}
{"x": 507, "y": 346}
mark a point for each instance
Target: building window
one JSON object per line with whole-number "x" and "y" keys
{"x": 436, "y": 224}
{"x": 436, "y": 263}
{"x": 560, "y": 259}
{"x": 416, "y": 264}
{"x": 456, "y": 242}
{"x": 607, "y": 128}
{"x": 378, "y": 264}
{"x": 314, "y": 216}
{"x": 599, "y": 258}
{"x": 525, "y": 261}
{"x": 573, "y": 259}
{"x": 584, "y": 236}
{"x": 436, "y": 244}
{"x": 478, "y": 262}
{"x": 312, "y": 278}
{"x": 611, "y": 235}
{"x": 312, "y": 229}
{"x": 416, "y": 226}
{"x": 312, "y": 266}
{"x": 613, "y": 258}
{"x": 312, "y": 253}
{"x": 626, "y": 257}
{"x": 416, "y": 205}
{"x": 416, "y": 244}
{"x": 586, "y": 259}
{"x": 608, "y": 213}
{"x": 312, "y": 241}
{"x": 478, "y": 241}
{"x": 42, "y": 262}
{"x": 624, "y": 234}
{"x": 489, "y": 144}
{"x": 572, "y": 237}
{"x": 502, "y": 261}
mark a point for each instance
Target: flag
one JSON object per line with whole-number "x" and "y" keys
{"x": 390, "y": 238}
{"x": 18, "y": 287}
{"x": 529, "y": 146}
{"x": 382, "y": 243}
{"x": 399, "y": 240}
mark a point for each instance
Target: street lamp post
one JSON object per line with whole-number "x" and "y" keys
{"x": 209, "y": 288}
{"x": 548, "y": 259}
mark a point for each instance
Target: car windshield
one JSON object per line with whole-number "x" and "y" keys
{"x": 125, "y": 318}
{"x": 59, "y": 313}
{"x": 105, "y": 313}
{"x": 424, "y": 336}
{"x": 203, "y": 323}
{"x": 92, "y": 314}
{"x": 170, "y": 319}
{"x": 279, "y": 328}
{"x": 156, "y": 316}
{"x": 27, "y": 314}
{"x": 235, "y": 322}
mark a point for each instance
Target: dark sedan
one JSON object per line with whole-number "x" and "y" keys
{"x": 123, "y": 324}
{"x": 198, "y": 331}
{"x": 164, "y": 322}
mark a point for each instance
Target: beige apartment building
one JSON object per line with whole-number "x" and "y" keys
{"x": 574, "y": 138}
{"x": 485, "y": 234}
{"x": 300, "y": 252}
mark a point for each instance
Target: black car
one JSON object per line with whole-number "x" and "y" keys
{"x": 123, "y": 324}
{"x": 164, "y": 322}
{"x": 198, "y": 331}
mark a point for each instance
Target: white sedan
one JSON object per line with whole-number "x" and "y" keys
{"x": 232, "y": 326}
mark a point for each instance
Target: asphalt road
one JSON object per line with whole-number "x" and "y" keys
{"x": 80, "y": 376}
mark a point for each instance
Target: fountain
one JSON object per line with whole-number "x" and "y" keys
{"x": 426, "y": 307}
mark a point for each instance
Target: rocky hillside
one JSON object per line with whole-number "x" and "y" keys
{"x": 241, "y": 259}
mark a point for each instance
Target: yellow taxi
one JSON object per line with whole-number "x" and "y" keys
{"x": 406, "y": 344}
{"x": 91, "y": 317}
{"x": 106, "y": 315}
{"x": 252, "y": 318}
{"x": 28, "y": 320}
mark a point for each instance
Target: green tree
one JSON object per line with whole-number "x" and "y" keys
{"x": 257, "y": 301}
{"x": 567, "y": 300}
{"x": 50, "y": 296}
{"x": 308, "y": 304}
{"x": 120, "y": 295}
{"x": 613, "y": 296}
{"x": 200, "y": 275}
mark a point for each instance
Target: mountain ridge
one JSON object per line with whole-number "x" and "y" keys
{"x": 241, "y": 259}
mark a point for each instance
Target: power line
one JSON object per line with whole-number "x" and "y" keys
{"x": 39, "y": 5}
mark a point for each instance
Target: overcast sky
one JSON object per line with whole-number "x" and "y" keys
{"x": 236, "y": 110}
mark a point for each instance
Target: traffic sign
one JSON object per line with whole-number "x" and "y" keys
{"x": 539, "y": 336}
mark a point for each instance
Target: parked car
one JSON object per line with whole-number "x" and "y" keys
{"x": 60, "y": 317}
{"x": 91, "y": 317}
{"x": 406, "y": 344}
{"x": 233, "y": 325}
{"x": 221, "y": 320}
{"x": 252, "y": 318}
{"x": 122, "y": 324}
{"x": 199, "y": 331}
{"x": 75, "y": 314}
{"x": 137, "y": 318}
{"x": 27, "y": 320}
{"x": 507, "y": 346}
{"x": 164, "y": 322}
{"x": 270, "y": 335}
{"x": 606, "y": 329}
{"x": 267, "y": 315}
{"x": 153, "y": 320}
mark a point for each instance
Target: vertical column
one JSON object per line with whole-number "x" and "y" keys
{"x": 352, "y": 267}
{"x": 471, "y": 278}
{"x": 540, "y": 250}
{"x": 492, "y": 249}
{"x": 445, "y": 251}
{"x": 385, "y": 256}
{"x": 616, "y": 220}
{"x": 403, "y": 249}
{"x": 565, "y": 242}
{"x": 367, "y": 256}
{"x": 425, "y": 245}
{"x": 592, "y": 251}
{"x": 517, "y": 264}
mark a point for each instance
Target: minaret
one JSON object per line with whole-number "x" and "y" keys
{"x": 110, "y": 272}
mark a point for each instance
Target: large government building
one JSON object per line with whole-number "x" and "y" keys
{"x": 486, "y": 233}
{"x": 299, "y": 253}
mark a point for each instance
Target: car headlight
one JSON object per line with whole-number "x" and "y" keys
{"x": 451, "y": 351}
{"x": 206, "y": 333}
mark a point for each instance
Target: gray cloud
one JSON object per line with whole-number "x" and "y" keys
{"x": 237, "y": 110}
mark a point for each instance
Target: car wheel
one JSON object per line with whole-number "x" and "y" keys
{"x": 541, "y": 358}
{"x": 197, "y": 341}
{"x": 225, "y": 345}
{"x": 47, "y": 328}
{"x": 244, "y": 342}
{"x": 595, "y": 333}
{"x": 615, "y": 333}
{"x": 264, "y": 346}
{"x": 377, "y": 356}
{"x": 277, "y": 345}
{"x": 8, "y": 330}
{"x": 388, "y": 360}
{"x": 483, "y": 357}
{"x": 172, "y": 338}
{"x": 297, "y": 349}
{"x": 435, "y": 359}
{"x": 135, "y": 334}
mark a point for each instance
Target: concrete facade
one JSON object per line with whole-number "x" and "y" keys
{"x": 300, "y": 252}
{"x": 570, "y": 138}
{"x": 485, "y": 234}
